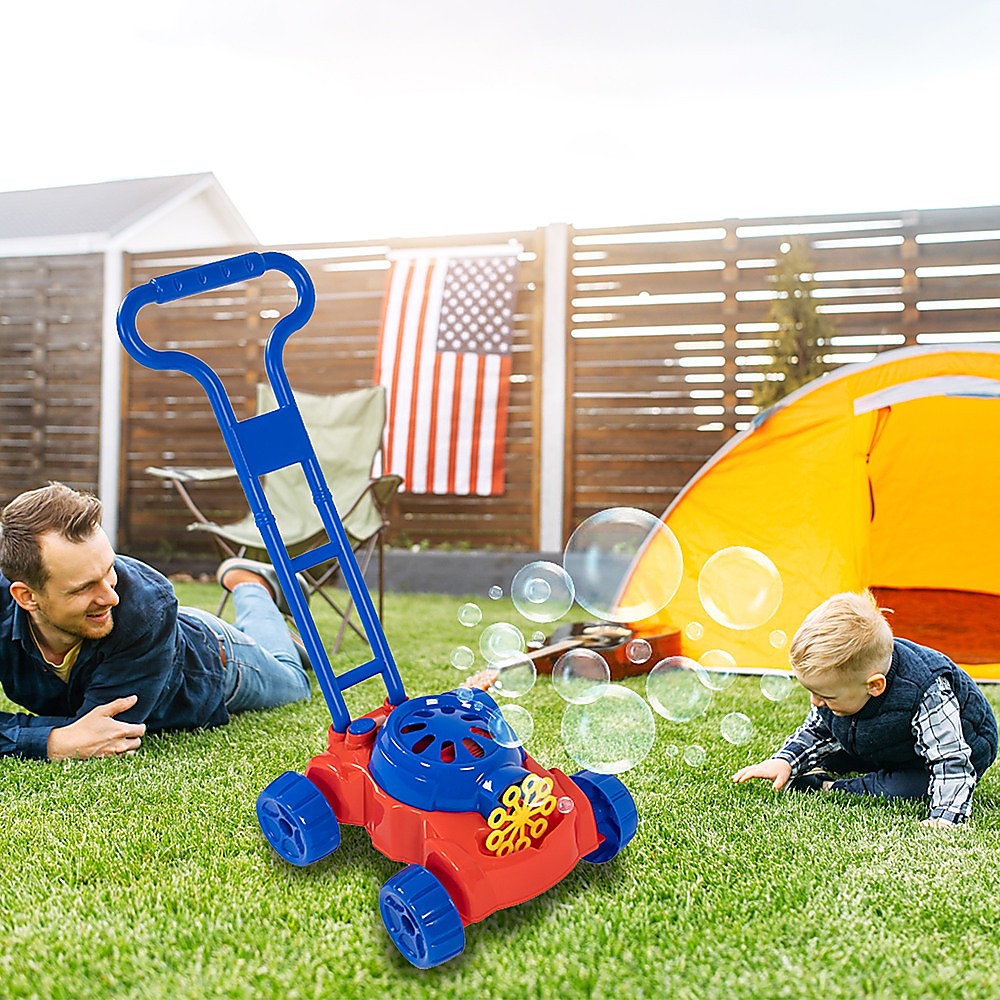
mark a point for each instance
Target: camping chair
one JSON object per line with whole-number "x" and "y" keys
{"x": 346, "y": 432}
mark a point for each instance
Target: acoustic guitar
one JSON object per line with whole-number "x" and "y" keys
{"x": 610, "y": 640}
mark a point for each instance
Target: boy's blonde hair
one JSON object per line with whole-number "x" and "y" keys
{"x": 847, "y": 633}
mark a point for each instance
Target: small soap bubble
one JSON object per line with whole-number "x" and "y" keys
{"x": 581, "y": 676}
{"x": 495, "y": 593}
{"x": 542, "y": 591}
{"x": 736, "y": 728}
{"x": 776, "y": 686}
{"x": 778, "y": 639}
{"x": 609, "y": 735}
{"x": 740, "y": 587}
{"x": 470, "y": 615}
{"x": 538, "y": 636}
{"x": 694, "y": 631}
{"x": 638, "y": 650}
{"x": 694, "y": 755}
{"x": 515, "y": 676}
{"x": 501, "y": 641}
{"x": 462, "y": 658}
{"x": 718, "y": 669}
{"x": 465, "y": 695}
{"x": 512, "y": 726}
{"x": 671, "y": 750}
{"x": 602, "y": 554}
{"x": 675, "y": 690}
{"x": 564, "y": 804}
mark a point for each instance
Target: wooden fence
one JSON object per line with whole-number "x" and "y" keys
{"x": 50, "y": 371}
{"x": 665, "y": 332}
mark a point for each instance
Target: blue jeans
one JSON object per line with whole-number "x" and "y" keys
{"x": 903, "y": 783}
{"x": 263, "y": 669}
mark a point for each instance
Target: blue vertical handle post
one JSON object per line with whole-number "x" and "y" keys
{"x": 265, "y": 443}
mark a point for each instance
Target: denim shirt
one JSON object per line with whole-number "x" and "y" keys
{"x": 169, "y": 660}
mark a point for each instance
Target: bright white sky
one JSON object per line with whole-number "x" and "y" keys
{"x": 364, "y": 119}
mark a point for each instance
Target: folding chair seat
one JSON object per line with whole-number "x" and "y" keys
{"x": 346, "y": 432}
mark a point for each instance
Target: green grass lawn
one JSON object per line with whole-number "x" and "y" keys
{"x": 149, "y": 877}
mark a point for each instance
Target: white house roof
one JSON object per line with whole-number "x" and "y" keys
{"x": 91, "y": 217}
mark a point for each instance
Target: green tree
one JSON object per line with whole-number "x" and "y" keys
{"x": 803, "y": 334}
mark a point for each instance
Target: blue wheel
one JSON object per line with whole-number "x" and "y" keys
{"x": 297, "y": 820}
{"x": 420, "y": 917}
{"x": 614, "y": 810}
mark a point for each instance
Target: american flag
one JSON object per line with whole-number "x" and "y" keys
{"x": 444, "y": 357}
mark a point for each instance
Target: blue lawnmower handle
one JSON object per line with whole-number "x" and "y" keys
{"x": 265, "y": 443}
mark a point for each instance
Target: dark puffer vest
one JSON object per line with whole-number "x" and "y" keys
{"x": 882, "y": 731}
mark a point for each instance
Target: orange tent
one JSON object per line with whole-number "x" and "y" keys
{"x": 884, "y": 475}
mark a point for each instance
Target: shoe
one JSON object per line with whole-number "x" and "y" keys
{"x": 811, "y": 781}
{"x": 267, "y": 572}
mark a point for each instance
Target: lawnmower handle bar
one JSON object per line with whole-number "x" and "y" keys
{"x": 265, "y": 443}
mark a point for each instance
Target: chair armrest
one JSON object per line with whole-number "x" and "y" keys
{"x": 385, "y": 488}
{"x": 187, "y": 474}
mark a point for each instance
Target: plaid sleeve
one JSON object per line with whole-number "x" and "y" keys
{"x": 937, "y": 727}
{"x": 808, "y": 745}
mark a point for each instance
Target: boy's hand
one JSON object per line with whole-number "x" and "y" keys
{"x": 97, "y": 734}
{"x": 940, "y": 824}
{"x": 774, "y": 770}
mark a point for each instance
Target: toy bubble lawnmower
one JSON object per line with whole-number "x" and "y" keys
{"x": 440, "y": 782}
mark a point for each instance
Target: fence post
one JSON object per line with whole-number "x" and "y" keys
{"x": 552, "y": 473}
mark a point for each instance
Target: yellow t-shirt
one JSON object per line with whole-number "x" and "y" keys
{"x": 61, "y": 670}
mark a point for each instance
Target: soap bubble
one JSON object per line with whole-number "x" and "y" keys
{"x": 512, "y": 726}
{"x": 671, "y": 750}
{"x": 736, "y": 728}
{"x": 609, "y": 735}
{"x": 740, "y": 587}
{"x": 581, "y": 676}
{"x": 462, "y": 658}
{"x": 470, "y": 615}
{"x": 777, "y": 638}
{"x": 515, "y": 676}
{"x": 564, "y": 804}
{"x": 675, "y": 690}
{"x": 538, "y": 636}
{"x": 694, "y": 631}
{"x": 500, "y": 641}
{"x": 717, "y": 669}
{"x": 776, "y": 687}
{"x": 638, "y": 650}
{"x": 694, "y": 755}
{"x": 495, "y": 593}
{"x": 542, "y": 591}
{"x": 602, "y": 554}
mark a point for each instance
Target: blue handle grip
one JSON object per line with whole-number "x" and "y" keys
{"x": 208, "y": 277}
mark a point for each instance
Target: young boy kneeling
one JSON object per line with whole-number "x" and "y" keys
{"x": 908, "y": 721}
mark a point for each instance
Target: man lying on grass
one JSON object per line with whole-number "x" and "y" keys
{"x": 908, "y": 721}
{"x": 96, "y": 646}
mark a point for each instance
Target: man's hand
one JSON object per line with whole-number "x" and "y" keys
{"x": 774, "y": 770}
{"x": 98, "y": 733}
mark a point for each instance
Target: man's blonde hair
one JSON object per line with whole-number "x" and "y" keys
{"x": 847, "y": 633}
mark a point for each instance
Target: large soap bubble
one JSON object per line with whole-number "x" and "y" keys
{"x": 777, "y": 686}
{"x": 609, "y": 735}
{"x": 542, "y": 591}
{"x": 515, "y": 675}
{"x": 501, "y": 641}
{"x": 580, "y": 676}
{"x": 740, "y": 587}
{"x": 674, "y": 688}
{"x": 602, "y": 554}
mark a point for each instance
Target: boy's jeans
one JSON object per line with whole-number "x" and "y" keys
{"x": 903, "y": 783}
{"x": 263, "y": 669}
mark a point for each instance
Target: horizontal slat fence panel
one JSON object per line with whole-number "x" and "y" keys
{"x": 50, "y": 371}
{"x": 169, "y": 421}
{"x": 669, "y": 328}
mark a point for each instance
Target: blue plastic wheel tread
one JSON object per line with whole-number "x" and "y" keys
{"x": 614, "y": 811}
{"x": 420, "y": 917}
{"x": 297, "y": 820}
